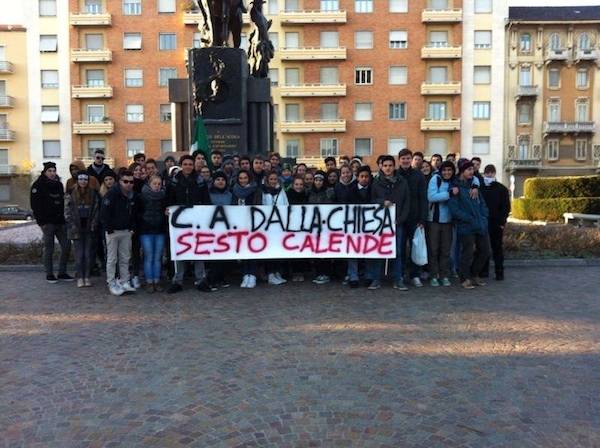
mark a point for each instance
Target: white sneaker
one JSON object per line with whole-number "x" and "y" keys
{"x": 280, "y": 278}
{"x": 80, "y": 283}
{"x": 127, "y": 287}
{"x": 417, "y": 282}
{"x": 273, "y": 280}
{"x": 135, "y": 282}
{"x": 115, "y": 288}
{"x": 251, "y": 282}
{"x": 245, "y": 281}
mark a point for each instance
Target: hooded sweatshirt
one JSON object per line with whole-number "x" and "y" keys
{"x": 72, "y": 181}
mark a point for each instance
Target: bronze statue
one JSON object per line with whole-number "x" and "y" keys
{"x": 261, "y": 50}
{"x": 219, "y": 19}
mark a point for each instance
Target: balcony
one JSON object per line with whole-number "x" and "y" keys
{"x": 92, "y": 92}
{"x": 88, "y": 19}
{"x": 6, "y": 67}
{"x": 449, "y": 124}
{"x": 6, "y": 135}
{"x": 313, "y": 90}
{"x": 436, "y": 51}
{"x": 312, "y": 54}
{"x": 527, "y": 91}
{"x": 89, "y": 160}
{"x": 307, "y": 17}
{"x": 442, "y": 88}
{"x": 7, "y": 101}
{"x": 93, "y": 127}
{"x": 195, "y": 18}
{"x": 85, "y": 55}
{"x": 313, "y": 126}
{"x": 7, "y": 170}
{"x": 569, "y": 127}
{"x": 587, "y": 55}
{"x": 441, "y": 15}
{"x": 525, "y": 159}
{"x": 561, "y": 54}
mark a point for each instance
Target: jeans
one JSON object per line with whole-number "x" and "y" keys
{"x": 352, "y": 271}
{"x": 59, "y": 231}
{"x": 84, "y": 253}
{"x": 199, "y": 272}
{"x": 153, "y": 245}
{"x": 118, "y": 250}
{"x": 375, "y": 266}
{"x": 470, "y": 265}
{"x": 439, "y": 242}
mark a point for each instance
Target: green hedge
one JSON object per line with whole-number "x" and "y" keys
{"x": 562, "y": 187}
{"x": 553, "y": 209}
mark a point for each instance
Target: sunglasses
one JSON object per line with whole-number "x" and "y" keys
{"x": 99, "y": 158}
{"x": 126, "y": 181}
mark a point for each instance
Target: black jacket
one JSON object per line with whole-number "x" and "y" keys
{"x": 497, "y": 199}
{"x": 397, "y": 192}
{"x": 361, "y": 195}
{"x": 100, "y": 176}
{"x": 188, "y": 191}
{"x": 48, "y": 201}
{"x": 417, "y": 188}
{"x": 344, "y": 194}
{"x": 118, "y": 212}
{"x": 151, "y": 211}
{"x": 295, "y": 198}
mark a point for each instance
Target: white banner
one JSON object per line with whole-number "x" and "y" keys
{"x": 210, "y": 232}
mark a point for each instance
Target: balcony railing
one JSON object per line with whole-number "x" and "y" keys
{"x": 6, "y": 67}
{"x": 441, "y": 15}
{"x": 449, "y": 124}
{"x": 523, "y": 91}
{"x": 6, "y": 135}
{"x": 313, "y": 90}
{"x": 587, "y": 55}
{"x": 313, "y": 126}
{"x": 89, "y": 19}
{"x": 93, "y": 127}
{"x": 567, "y": 127}
{"x": 559, "y": 54}
{"x": 312, "y": 53}
{"x": 7, "y": 101}
{"x": 85, "y": 55}
{"x": 92, "y": 92}
{"x": 441, "y": 88}
{"x": 89, "y": 160}
{"x": 440, "y": 51}
{"x": 195, "y": 18}
{"x": 304, "y": 17}
{"x": 525, "y": 158}
{"x": 7, "y": 170}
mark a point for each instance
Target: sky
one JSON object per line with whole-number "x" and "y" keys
{"x": 552, "y": 2}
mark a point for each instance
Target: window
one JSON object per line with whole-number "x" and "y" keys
{"x": 93, "y": 6}
{"x": 524, "y": 113}
{"x": 292, "y": 112}
{"x": 273, "y": 7}
{"x": 552, "y": 148}
{"x": 438, "y": 75}
{"x": 483, "y": 6}
{"x": 553, "y": 111}
{"x": 94, "y": 145}
{"x": 398, "y": 75}
{"x": 363, "y": 75}
{"x": 363, "y": 5}
{"x": 292, "y": 5}
{"x": 437, "y": 145}
{"x": 584, "y": 41}
{"x": 134, "y": 77}
{"x": 438, "y": 39}
{"x": 48, "y": 43}
{"x": 165, "y": 112}
{"x": 398, "y": 5}
{"x": 437, "y": 4}
{"x": 166, "y": 6}
{"x": 329, "y": 76}
{"x": 49, "y": 114}
{"x": 132, "y": 7}
{"x": 329, "y": 147}
{"x": 397, "y": 111}
{"x": 51, "y": 148}
{"x": 362, "y": 146}
{"x": 395, "y": 145}
{"x": 292, "y": 76}
{"x": 523, "y": 153}
{"x": 330, "y": 5}
{"x": 167, "y": 41}
{"x": 329, "y": 111}
{"x": 481, "y": 110}
{"x": 166, "y": 146}
{"x": 274, "y": 76}
{"x": 94, "y": 41}
{"x": 135, "y": 113}
{"x": 554, "y": 78}
{"x": 134, "y": 146}
{"x": 94, "y": 78}
{"x": 49, "y": 79}
{"x": 554, "y": 41}
{"x": 2, "y": 87}
{"x": 481, "y": 145}
{"x": 95, "y": 113}
{"x": 47, "y": 8}
{"x": 363, "y": 40}
{"x": 132, "y": 41}
{"x": 483, "y": 39}
{"x": 363, "y": 111}
{"x": 580, "y": 149}
{"x": 244, "y": 43}
{"x": 164, "y": 74}
{"x": 525, "y": 43}
{"x": 482, "y": 74}
{"x": 292, "y": 148}
{"x": 581, "y": 110}
{"x": 398, "y": 39}
{"x": 330, "y": 39}
{"x": 197, "y": 40}
{"x": 275, "y": 113}
{"x": 582, "y": 78}
{"x": 292, "y": 40}
{"x": 274, "y": 38}
{"x": 436, "y": 111}
{"x": 525, "y": 76}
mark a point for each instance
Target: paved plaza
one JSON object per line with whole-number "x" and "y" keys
{"x": 515, "y": 364}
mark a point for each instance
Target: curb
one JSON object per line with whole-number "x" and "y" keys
{"x": 16, "y": 226}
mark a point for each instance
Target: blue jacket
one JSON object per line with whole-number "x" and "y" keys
{"x": 438, "y": 194}
{"x": 470, "y": 215}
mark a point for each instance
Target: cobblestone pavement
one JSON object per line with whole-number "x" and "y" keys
{"x": 510, "y": 365}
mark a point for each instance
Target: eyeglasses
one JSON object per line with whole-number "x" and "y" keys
{"x": 99, "y": 158}
{"x": 125, "y": 181}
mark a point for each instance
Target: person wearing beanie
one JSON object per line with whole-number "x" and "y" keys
{"x": 355, "y": 164}
{"x": 48, "y": 205}
{"x": 286, "y": 176}
{"x": 98, "y": 168}
{"x": 219, "y": 195}
{"x": 74, "y": 168}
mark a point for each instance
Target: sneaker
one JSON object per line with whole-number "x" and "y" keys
{"x": 375, "y": 284}
{"x": 174, "y": 288}
{"x": 400, "y": 286}
{"x": 322, "y": 279}
{"x": 158, "y": 287}
{"x": 127, "y": 287}
{"x": 251, "y": 282}
{"x": 87, "y": 283}
{"x": 203, "y": 286}
{"x": 467, "y": 284}
{"x": 274, "y": 280}
{"x": 280, "y": 278}
{"x": 446, "y": 282}
{"x": 50, "y": 278}
{"x": 353, "y": 284}
{"x": 80, "y": 283}
{"x": 346, "y": 280}
{"x": 149, "y": 288}
{"x": 434, "y": 282}
{"x": 224, "y": 284}
{"x": 417, "y": 282}
{"x": 244, "y": 281}
{"x": 135, "y": 282}
{"x": 65, "y": 277}
{"x": 478, "y": 282}
{"x": 115, "y": 288}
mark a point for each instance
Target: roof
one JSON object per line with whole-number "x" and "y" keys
{"x": 554, "y": 13}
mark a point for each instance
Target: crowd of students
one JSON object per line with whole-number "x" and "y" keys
{"x": 117, "y": 221}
